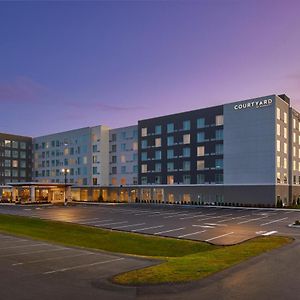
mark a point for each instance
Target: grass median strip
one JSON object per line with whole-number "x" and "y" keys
{"x": 183, "y": 260}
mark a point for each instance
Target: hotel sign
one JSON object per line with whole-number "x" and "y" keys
{"x": 254, "y": 104}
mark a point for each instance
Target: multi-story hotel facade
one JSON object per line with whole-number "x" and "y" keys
{"x": 123, "y": 156}
{"x": 83, "y": 152}
{"x": 240, "y": 153}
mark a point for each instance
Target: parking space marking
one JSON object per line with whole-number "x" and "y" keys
{"x": 52, "y": 258}
{"x": 131, "y": 225}
{"x": 115, "y": 223}
{"x": 274, "y": 221}
{"x": 230, "y": 219}
{"x": 214, "y": 224}
{"x": 269, "y": 233}
{"x": 22, "y": 246}
{"x": 32, "y": 252}
{"x": 203, "y": 226}
{"x": 189, "y": 234}
{"x": 217, "y": 237}
{"x": 143, "y": 229}
{"x": 84, "y": 266}
{"x": 96, "y": 222}
{"x": 171, "y": 230}
{"x": 251, "y": 220}
{"x": 177, "y": 215}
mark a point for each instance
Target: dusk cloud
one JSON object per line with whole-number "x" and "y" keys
{"x": 22, "y": 89}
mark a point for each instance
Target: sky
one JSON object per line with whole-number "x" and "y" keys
{"x": 66, "y": 65}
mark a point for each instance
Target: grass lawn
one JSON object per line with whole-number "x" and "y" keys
{"x": 182, "y": 260}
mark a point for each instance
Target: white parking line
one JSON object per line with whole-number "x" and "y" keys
{"x": 217, "y": 237}
{"x": 204, "y": 226}
{"x": 125, "y": 226}
{"x": 269, "y": 233}
{"x": 177, "y": 215}
{"x": 251, "y": 220}
{"x": 273, "y": 221}
{"x": 96, "y": 222}
{"x": 230, "y": 219}
{"x": 84, "y": 266}
{"x": 115, "y": 223}
{"x": 22, "y": 246}
{"x": 52, "y": 258}
{"x": 214, "y": 224}
{"x": 189, "y": 234}
{"x": 33, "y": 252}
{"x": 152, "y": 227}
{"x": 171, "y": 230}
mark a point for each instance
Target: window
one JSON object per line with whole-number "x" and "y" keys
{"x": 144, "y": 156}
{"x": 284, "y": 163}
{"x": 144, "y": 180}
{"x": 144, "y": 144}
{"x": 278, "y": 129}
{"x": 186, "y": 152}
{"x": 123, "y": 147}
{"x": 285, "y": 132}
{"x": 15, "y": 154}
{"x": 294, "y": 137}
{"x": 200, "y": 137}
{"x": 158, "y": 179}
{"x": 219, "y": 148}
{"x": 113, "y": 137}
{"x": 170, "y": 179}
{"x": 278, "y": 113}
{"x": 134, "y": 156}
{"x": 170, "y": 127}
{"x": 285, "y": 148}
{"x": 294, "y": 151}
{"x": 123, "y": 158}
{"x": 186, "y": 139}
{"x": 22, "y": 154}
{"x": 170, "y": 166}
{"x": 200, "y": 178}
{"x": 294, "y": 165}
{"x": 7, "y": 153}
{"x": 186, "y": 166}
{"x": 14, "y": 163}
{"x": 278, "y": 177}
{"x": 278, "y": 146}
{"x": 7, "y": 163}
{"x": 135, "y": 169}
{"x": 95, "y": 171}
{"x": 278, "y": 161}
{"x": 186, "y": 125}
{"x": 200, "y": 123}
{"x": 7, "y": 143}
{"x": 285, "y": 117}
{"x": 123, "y": 170}
{"x": 200, "y": 151}
{"x": 219, "y": 178}
{"x": 200, "y": 165}
{"x": 144, "y": 168}
{"x": 219, "y": 134}
{"x": 123, "y": 135}
{"x": 219, "y": 163}
{"x": 294, "y": 124}
{"x": 158, "y": 142}
{"x": 158, "y": 167}
{"x": 158, "y": 129}
{"x": 134, "y": 146}
{"x": 158, "y": 154}
{"x": 7, "y": 173}
{"x": 94, "y": 148}
{"x": 144, "y": 132}
{"x": 170, "y": 153}
{"x": 170, "y": 141}
{"x": 219, "y": 120}
{"x": 15, "y": 144}
{"x": 186, "y": 179}
{"x": 113, "y": 148}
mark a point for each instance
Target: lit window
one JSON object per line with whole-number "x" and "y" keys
{"x": 200, "y": 164}
{"x": 278, "y": 161}
{"x": 278, "y": 129}
{"x": 278, "y": 146}
{"x": 144, "y": 131}
{"x": 170, "y": 179}
{"x": 294, "y": 137}
{"x": 278, "y": 113}
{"x": 294, "y": 165}
{"x": 294, "y": 151}
{"x": 123, "y": 159}
{"x": 200, "y": 151}
{"x": 135, "y": 146}
{"x": 158, "y": 142}
{"x": 15, "y": 163}
{"x": 144, "y": 168}
{"x": 278, "y": 177}
{"x": 284, "y": 163}
{"x": 285, "y": 148}
{"x": 186, "y": 138}
{"x": 294, "y": 124}
{"x": 219, "y": 120}
{"x": 285, "y": 117}
{"x": 285, "y": 132}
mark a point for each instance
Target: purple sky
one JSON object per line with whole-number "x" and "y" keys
{"x": 65, "y": 65}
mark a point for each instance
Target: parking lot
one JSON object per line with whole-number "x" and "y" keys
{"x": 217, "y": 225}
{"x": 32, "y": 269}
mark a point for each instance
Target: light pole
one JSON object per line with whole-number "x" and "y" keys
{"x": 65, "y": 172}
